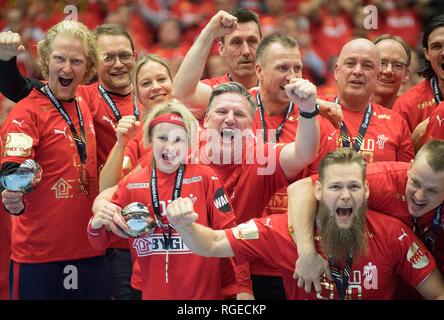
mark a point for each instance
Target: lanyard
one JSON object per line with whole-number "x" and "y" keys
{"x": 155, "y": 198}
{"x": 279, "y": 129}
{"x": 346, "y": 140}
{"x": 110, "y": 102}
{"x": 435, "y": 89}
{"x": 80, "y": 140}
{"x": 341, "y": 278}
{"x": 429, "y": 237}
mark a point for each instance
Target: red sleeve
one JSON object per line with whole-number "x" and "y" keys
{"x": 221, "y": 217}
{"x": 405, "y": 151}
{"x": 326, "y": 145}
{"x": 415, "y": 263}
{"x": 251, "y": 240}
{"x": 20, "y": 133}
{"x": 100, "y": 239}
{"x": 402, "y": 106}
{"x": 435, "y": 128}
{"x": 387, "y": 181}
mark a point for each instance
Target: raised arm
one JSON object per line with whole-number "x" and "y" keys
{"x": 186, "y": 85}
{"x": 419, "y": 134}
{"x": 200, "y": 239}
{"x": 12, "y": 84}
{"x": 111, "y": 172}
{"x": 299, "y": 154}
{"x": 302, "y": 207}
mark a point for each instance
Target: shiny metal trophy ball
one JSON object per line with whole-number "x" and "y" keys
{"x": 25, "y": 179}
{"x": 138, "y": 219}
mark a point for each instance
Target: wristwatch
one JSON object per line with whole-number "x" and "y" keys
{"x": 309, "y": 115}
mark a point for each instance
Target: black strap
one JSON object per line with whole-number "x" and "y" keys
{"x": 345, "y": 137}
{"x": 155, "y": 198}
{"x": 435, "y": 89}
{"x": 429, "y": 237}
{"x": 79, "y": 140}
{"x": 279, "y": 129}
{"x": 341, "y": 279}
{"x": 110, "y": 102}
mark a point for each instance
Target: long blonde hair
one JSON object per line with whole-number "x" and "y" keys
{"x": 76, "y": 30}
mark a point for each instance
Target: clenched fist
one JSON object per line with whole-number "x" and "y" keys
{"x": 181, "y": 212}
{"x": 10, "y": 45}
{"x": 303, "y": 94}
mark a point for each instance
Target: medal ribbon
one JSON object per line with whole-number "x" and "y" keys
{"x": 155, "y": 198}
{"x": 110, "y": 102}
{"x": 79, "y": 140}
{"x": 341, "y": 279}
{"x": 345, "y": 137}
{"x": 279, "y": 129}
{"x": 429, "y": 237}
{"x": 435, "y": 89}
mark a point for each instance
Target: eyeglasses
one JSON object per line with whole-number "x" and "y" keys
{"x": 110, "y": 58}
{"x": 396, "y": 65}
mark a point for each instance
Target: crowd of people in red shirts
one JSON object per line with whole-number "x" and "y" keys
{"x": 105, "y": 103}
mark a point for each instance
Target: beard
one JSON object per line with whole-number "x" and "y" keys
{"x": 338, "y": 243}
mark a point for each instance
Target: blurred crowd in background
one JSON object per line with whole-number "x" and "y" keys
{"x": 169, "y": 27}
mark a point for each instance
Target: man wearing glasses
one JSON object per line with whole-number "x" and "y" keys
{"x": 395, "y": 59}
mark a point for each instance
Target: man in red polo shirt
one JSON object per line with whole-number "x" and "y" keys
{"x": 413, "y": 193}
{"x": 366, "y": 250}
{"x": 416, "y": 104}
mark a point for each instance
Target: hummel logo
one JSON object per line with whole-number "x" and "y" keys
{"x": 105, "y": 118}
{"x": 57, "y": 131}
{"x": 18, "y": 122}
{"x": 439, "y": 120}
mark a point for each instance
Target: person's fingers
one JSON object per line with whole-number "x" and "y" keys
{"x": 308, "y": 286}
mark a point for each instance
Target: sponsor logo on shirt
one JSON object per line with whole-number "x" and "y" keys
{"x": 192, "y": 180}
{"x": 370, "y": 276}
{"x": 140, "y": 185}
{"x": 426, "y": 104}
{"x": 155, "y": 244}
{"x": 112, "y": 124}
{"x": 381, "y": 140}
{"x": 246, "y": 231}
{"x": 221, "y": 201}
{"x": 19, "y": 123}
{"x": 18, "y": 145}
{"x": 62, "y": 189}
{"x": 91, "y": 127}
{"x": 439, "y": 120}
{"x": 403, "y": 235}
{"x": 58, "y": 131}
{"x": 417, "y": 256}
{"x": 384, "y": 116}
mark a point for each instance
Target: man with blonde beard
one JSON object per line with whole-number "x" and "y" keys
{"x": 363, "y": 260}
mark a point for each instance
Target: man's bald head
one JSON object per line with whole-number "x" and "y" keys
{"x": 359, "y": 45}
{"x": 357, "y": 72}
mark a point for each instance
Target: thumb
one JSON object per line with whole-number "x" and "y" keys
{"x": 21, "y": 48}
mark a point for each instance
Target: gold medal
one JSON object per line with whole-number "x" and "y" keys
{"x": 84, "y": 179}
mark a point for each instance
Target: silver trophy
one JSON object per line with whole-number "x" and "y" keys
{"x": 25, "y": 179}
{"x": 138, "y": 219}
